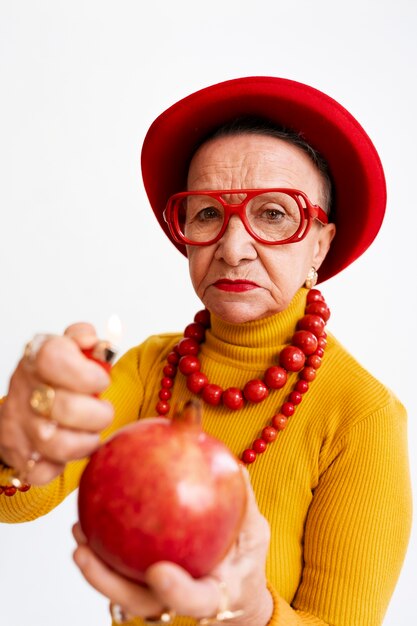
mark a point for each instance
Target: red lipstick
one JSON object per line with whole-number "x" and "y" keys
{"x": 224, "y": 284}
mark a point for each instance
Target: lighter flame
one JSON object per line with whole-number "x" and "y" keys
{"x": 114, "y": 329}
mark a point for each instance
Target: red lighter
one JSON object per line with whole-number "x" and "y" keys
{"x": 103, "y": 352}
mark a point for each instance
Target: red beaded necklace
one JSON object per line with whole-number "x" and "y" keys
{"x": 303, "y": 355}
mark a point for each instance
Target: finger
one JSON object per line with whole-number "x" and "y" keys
{"x": 179, "y": 591}
{"x": 15, "y": 448}
{"x": 43, "y": 472}
{"x": 18, "y": 449}
{"x": 81, "y": 411}
{"x": 83, "y": 333}
{"x": 78, "y": 534}
{"x": 61, "y": 363}
{"x": 250, "y": 494}
{"x": 60, "y": 445}
{"x": 134, "y": 598}
{"x": 254, "y": 530}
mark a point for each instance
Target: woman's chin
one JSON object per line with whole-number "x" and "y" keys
{"x": 238, "y": 312}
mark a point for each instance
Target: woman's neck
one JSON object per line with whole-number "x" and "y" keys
{"x": 258, "y": 340}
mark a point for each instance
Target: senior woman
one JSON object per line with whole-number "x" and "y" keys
{"x": 267, "y": 186}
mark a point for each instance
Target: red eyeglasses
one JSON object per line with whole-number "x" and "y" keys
{"x": 271, "y": 216}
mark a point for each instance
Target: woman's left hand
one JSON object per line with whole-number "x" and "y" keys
{"x": 238, "y": 581}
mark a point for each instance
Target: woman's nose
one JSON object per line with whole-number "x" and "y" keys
{"x": 236, "y": 243}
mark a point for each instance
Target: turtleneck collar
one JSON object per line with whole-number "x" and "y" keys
{"x": 256, "y": 341}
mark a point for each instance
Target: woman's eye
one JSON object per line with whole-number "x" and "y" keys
{"x": 273, "y": 213}
{"x": 208, "y": 213}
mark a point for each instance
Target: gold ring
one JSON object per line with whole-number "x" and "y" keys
{"x": 223, "y": 613}
{"x": 20, "y": 479}
{"x": 166, "y": 617}
{"x": 118, "y": 614}
{"x": 42, "y": 400}
{"x": 34, "y": 345}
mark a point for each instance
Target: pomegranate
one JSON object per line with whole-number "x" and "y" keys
{"x": 162, "y": 490}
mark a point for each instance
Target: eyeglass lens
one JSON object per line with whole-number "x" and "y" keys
{"x": 272, "y": 216}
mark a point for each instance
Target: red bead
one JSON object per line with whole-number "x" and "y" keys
{"x": 195, "y": 331}
{"x": 189, "y": 364}
{"x": 292, "y": 358}
{"x": 164, "y": 394}
{"x": 313, "y": 361}
{"x": 295, "y": 397}
{"x": 259, "y": 445}
{"x": 308, "y": 374}
{"x": 301, "y": 386}
{"x": 232, "y": 398}
{"x": 162, "y": 407}
{"x": 279, "y": 421}
{"x": 255, "y": 390}
{"x": 189, "y": 346}
{"x": 269, "y": 433}
{"x": 305, "y": 340}
{"x": 314, "y": 295}
{"x": 24, "y": 487}
{"x": 314, "y": 323}
{"x": 173, "y": 358}
{"x": 9, "y": 491}
{"x": 303, "y": 355}
{"x": 1, "y": 489}
{"x": 203, "y": 317}
{"x": 288, "y": 409}
{"x": 170, "y": 370}
{"x": 249, "y": 456}
{"x": 212, "y": 394}
{"x": 275, "y": 377}
{"x": 196, "y": 381}
{"x": 319, "y": 308}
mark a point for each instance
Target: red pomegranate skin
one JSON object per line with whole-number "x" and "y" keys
{"x": 162, "y": 490}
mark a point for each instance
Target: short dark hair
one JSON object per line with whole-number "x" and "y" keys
{"x": 261, "y": 126}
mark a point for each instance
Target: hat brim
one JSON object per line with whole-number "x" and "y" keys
{"x": 356, "y": 171}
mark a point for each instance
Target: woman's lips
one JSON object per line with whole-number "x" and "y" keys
{"x": 234, "y": 285}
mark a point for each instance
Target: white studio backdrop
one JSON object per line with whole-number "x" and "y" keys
{"x": 80, "y": 82}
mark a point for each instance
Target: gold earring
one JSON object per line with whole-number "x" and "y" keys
{"x": 311, "y": 279}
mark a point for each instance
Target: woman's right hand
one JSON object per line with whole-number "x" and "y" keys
{"x": 76, "y": 418}
{"x": 237, "y": 584}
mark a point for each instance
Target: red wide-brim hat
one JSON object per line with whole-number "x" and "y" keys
{"x": 355, "y": 168}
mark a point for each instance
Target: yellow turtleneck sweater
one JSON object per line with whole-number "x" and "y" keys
{"x": 334, "y": 486}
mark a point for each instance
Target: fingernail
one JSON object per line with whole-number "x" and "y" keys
{"x": 47, "y": 430}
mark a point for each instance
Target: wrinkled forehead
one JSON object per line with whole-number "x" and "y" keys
{"x": 253, "y": 161}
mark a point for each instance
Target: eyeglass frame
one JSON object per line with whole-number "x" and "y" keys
{"x": 308, "y": 214}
